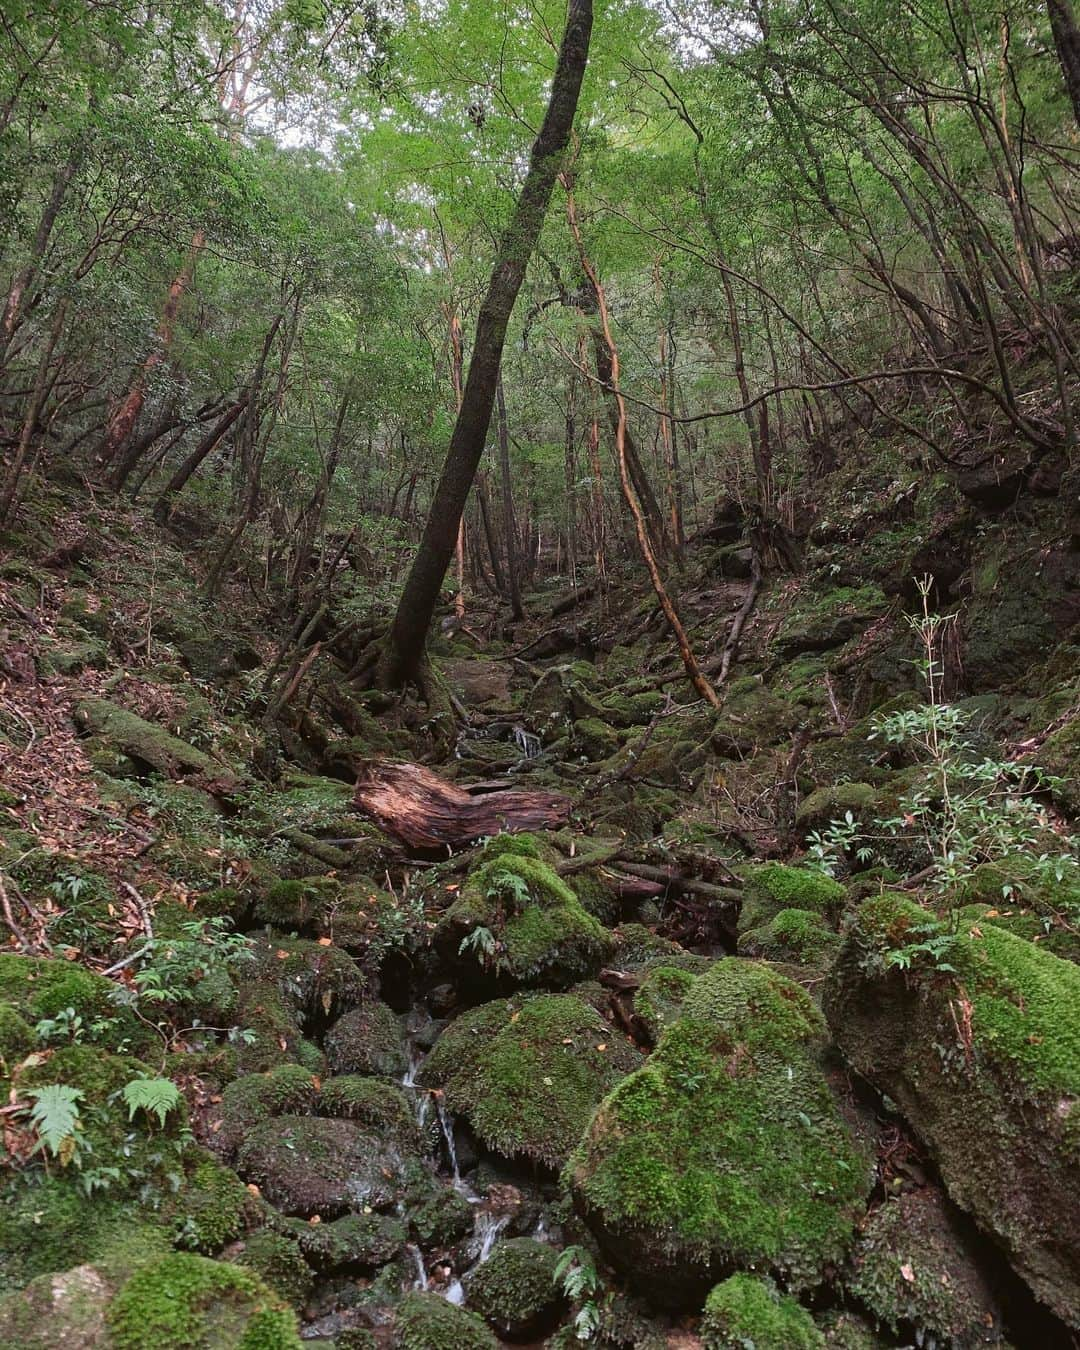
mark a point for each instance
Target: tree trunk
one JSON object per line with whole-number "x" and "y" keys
{"x": 123, "y": 420}
{"x": 1067, "y": 41}
{"x": 403, "y": 654}
{"x": 513, "y": 571}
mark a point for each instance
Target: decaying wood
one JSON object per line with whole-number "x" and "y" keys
{"x": 427, "y": 813}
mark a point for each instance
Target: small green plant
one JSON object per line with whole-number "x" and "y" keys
{"x": 937, "y": 943}
{"x": 173, "y": 967}
{"x": 55, "y": 1116}
{"x": 576, "y": 1273}
{"x": 155, "y": 1096}
{"x": 510, "y": 888}
{"x": 68, "y": 887}
{"x": 481, "y": 943}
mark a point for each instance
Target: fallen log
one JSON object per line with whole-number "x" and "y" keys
{"x": 428, "y": 814}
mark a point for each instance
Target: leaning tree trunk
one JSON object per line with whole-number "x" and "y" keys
{"x": 1067, "y": 41}
{"x": 403, "y": 654}
{"x": 513, "y": 559}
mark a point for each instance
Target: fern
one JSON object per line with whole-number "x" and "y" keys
{"x": 481, "y": 941}
{"x": 155, "y": 1096}
{"x": 55, "y": 1117}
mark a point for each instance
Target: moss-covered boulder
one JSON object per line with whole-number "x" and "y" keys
{"x": 446, "y": 1217}
{"x": 39, "y": 988}
{"x": 370, "y": 1101}
{"x": 798, "y": 937}
{"x": 775, "y": 886}
{"x": 535, "y": 930}
{"x": 299, "y": 905}
{"x": 659, "y": 999}
{"x": 182, "y": 1301}
{"x": 278, "y": 1261}
{"x": 527, "y": 1073}
{"x": 306, "y": 1165}
{"x": 213, "y": 1207}
{"x": 818, "y": 809}
{"x": 370, "y": 1040}
{"x": 287, "y": 1090}
{"x": 978, "y": 1043}
{"x": 145, "y": 743}
{"x": 726, "y": 1148}
{"x": 746, "y": 1311}
{"x": 639, "y": 949}
{"x": 816, "y": 622}
{"x": 351, "y": 1244}
{"x": 318, "y": 981}
{"x": 64, "y": 1311}
{"x": 515, "y": 1291}
{"x": 428, "y": 1322}
{"x": 912, "y": 1268}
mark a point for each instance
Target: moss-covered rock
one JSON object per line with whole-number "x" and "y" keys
{"x": 39, "y": 988}
{"x": 278, "y": 1261}
{"x": 298, "y": 906}
{"x": 213, "y": 1207}
{"x": 306, "y": 1165}
{"x": 747, "y": 1311}
{"x": 370, "y": 1101}
{"x": 146, "y": 743}
{"x": 445, "y": 1218}
{"x": 287, "y": 1090}
{"x": 353, "y": 1243}
{"x": 515, "y": 1291}
{"x": 527, "y": 1073}
{"x": 799, "y": 937}
{"x": 428, "y": 1322}
{"x": 775, "y": 886}
{"x": 726, "y": 1148}
{"x": 821, "y": 807}
{"x": 659, "y": 999}
{"x": 912, "y": 1268}
{"x": 17, "y": 1037}
{"x": 182, "y": 1301}
{"x": 369, "y": 1039}
{"x": 539, "y": 932}
{"x": 978, "y": 1042}
{"x": 640, "y": 950}
{"x": 818, "y": 622}
{"x": 319, "y": 982}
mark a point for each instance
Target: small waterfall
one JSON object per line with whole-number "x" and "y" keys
{"x": 447, "y": 1127}
{"x": 421, "y": 1280}
{"x": 529, "y": 745}
{"x": 485, "y": 1235}
{"x": 455, "y": 1293}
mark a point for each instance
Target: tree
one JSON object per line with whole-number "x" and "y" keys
{"x": 402, "y": 656}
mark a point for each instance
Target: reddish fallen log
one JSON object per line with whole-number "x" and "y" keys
{"x": 429, "y": 814}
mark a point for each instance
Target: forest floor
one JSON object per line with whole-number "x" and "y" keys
{"x": 771, "y": 1038}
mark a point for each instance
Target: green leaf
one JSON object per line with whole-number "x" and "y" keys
{"x": 155, "y": 1096}
{"x": 55, "y": 1116}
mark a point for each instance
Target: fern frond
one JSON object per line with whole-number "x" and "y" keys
{"x": 55, "y": 1117}
{"x": 155, "y": 1096}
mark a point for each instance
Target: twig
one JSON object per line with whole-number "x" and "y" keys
{"x": 141, "y": 905}
{"x": 9, "y": 919}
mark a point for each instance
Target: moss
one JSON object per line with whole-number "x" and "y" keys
{"x": 183, "y": 1301}
{"x": 542, "y": 933}
{"x": 797, "y": 936}
{"x": 143, "y": 741}
{"x": 287, "y": 1090}
{"x": 353, "y": 1242}
{"x": 277, "y": 1261}
{"x": 528, "y": 1072}
{"x": 274, "y": 1026}
{"x": 596, "y": 896}
{"x": 726, "y": 1147}
{"x": 848, "y": 1331}
{"x": 638, "y": 949}
{"x": 911, "y": 1268}
{"x": 776, "y": 886}
{"x": 213, "y": 1208}
{"x": 40, "y": 988}
{"x": 368, "y": 1100}
{"x": 444, "y": 1219}
{"x": 317, "y": 981}
{"x": 17, "y": 1038}
{"x": 296, "y": 906}
{"x": 980, "y": 1049}
{"x": 428, "y": 1322}
{"x": 826, "y": 804}
{"x": 594, "y": 738}
{"x": 515, "y": 1291}
{"x": 370, "y": 1040}
{"x": 660, "y": 997}
{"x": 747, "y": 1311}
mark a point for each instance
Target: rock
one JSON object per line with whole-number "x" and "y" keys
{"x": 537, "y": 930}
{"x": 429, "y": 1322}
{"x": 796, "y": 936}
{"x": 515, "y": 1291}
{"x": 774, "y": 887}
{"x": 59, "y": 1312}
{"x": 355, "y": 1242}
{"x": 659, "y": 999}
{"x": 912, "y": 1268}
{"x": 827, "y": 621}
{"x": 318, "y": 982}
{"x": 213, "y": 1208}
{"x": 826, "y": 804}
{"x": 638, "y": 949}
{"x": 981, "y": 1052}
{"x": 306, "y": 1165}
{"x": 277, "y": 1260}
{"x": 527, "y": 1073}
{"x": 478, "y": 683}
{"x": 246, "y": 1102}
{"x": 368, "y": 1040}
{"x": 593, "y": 738}
{"x": 726, "y": 1148}
{"x": 38, "y": 988}
{"x": 370, "y": 1101}
{"x": 180, "y": 1301}
{"x": 747, "y": 1311}
{"x": 444, "y": 1219}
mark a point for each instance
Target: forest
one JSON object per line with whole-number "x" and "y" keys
{"x": 539, "y": 674}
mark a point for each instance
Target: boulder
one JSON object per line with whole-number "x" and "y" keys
{"x": 515, "y": 1291}
{"x": 368, "y": 1040}
{"x": 726, "y": 1148}
{"x": 429, "y": 1322}
{"x": 975, "y": 1035}
{"x": 747, "y": 1311}
{"x": 527, "y": 1073}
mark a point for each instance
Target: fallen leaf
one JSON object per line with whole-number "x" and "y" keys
{"x": 907, "y": 1272}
